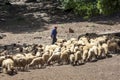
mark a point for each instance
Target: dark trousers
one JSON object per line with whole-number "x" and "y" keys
{"x": 54, "y": 39}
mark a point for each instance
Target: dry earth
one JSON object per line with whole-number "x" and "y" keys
{"x": 106, "y": 69}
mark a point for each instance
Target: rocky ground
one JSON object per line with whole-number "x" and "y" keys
{"x": 38, "y": 31}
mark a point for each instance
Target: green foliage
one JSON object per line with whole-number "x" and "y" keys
{"x": 89, "y": 8}
{"x": 86, "y": 8}
{"x": 108, "y": 7}
{"x": 68, "y": 4}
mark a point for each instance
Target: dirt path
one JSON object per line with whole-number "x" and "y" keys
{"x": 106, "y": 69}
{"x": 43, "y": 37}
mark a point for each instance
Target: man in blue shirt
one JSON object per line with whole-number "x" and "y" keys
{"x": 54, "y": 34}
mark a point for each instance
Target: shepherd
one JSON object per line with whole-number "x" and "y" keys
{"x": 54, "y": 34}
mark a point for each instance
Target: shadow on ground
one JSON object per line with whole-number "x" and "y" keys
{"x": 31, "y": 17}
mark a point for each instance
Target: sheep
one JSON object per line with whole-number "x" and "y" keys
{"x": 105, "y": 48}
{"x": 78, "y": 57}
{"x": 29, "y": 57}
{"x": 92, "y": 53}
{"x": 1, "y": 59}
{"x": 76, "y": 48}
{"x": 113, "y": 46}
{"x": 85, "y": 50}
{"x": 84, "y": 39}
{"x": 102, "y": 39}
{"x": 100, "y": 51}
{"x": 5, "y": 52}
{"x": 61, "y": 40}
{"x": 51, "y": 47}
{"x": 37, "y": 62}
{"x": 80, "y": 42}
{"x": 59, "y": 44}
{"x": 85, "y": 55}
{"x": 39, "y": 52}
{"x": 72, "y": 59}
{"x": 73, "y": 40}
{"x": 72, "y": 48}
{"x": 8, "y": 66}
{"x": 64, "y": 57}
{"x": 55, "y": 56}
{"x": 46, "y": 56}
{"x": 20, "y": 61}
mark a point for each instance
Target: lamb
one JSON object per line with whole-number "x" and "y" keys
{"x": 8, "y": 66}
{"x": 37, "y": 62}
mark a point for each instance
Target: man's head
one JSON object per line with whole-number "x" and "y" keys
{"x": 55, "y": 27}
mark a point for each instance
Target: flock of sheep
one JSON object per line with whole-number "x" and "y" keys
{"x": 74, "y": 51}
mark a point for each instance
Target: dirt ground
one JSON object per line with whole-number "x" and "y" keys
{"x": 105, "y": 69}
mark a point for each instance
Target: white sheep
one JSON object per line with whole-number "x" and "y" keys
{"x": 55, "y": 56}
{"x": 46, "y": 56}
{"x": 61, "y": 40}
{"x": 29, "y": 57}
{"x": 64, "y": 57}
{"x": 37, "y": 62}
{"x": 20, "y": 61}
{"x": 78, "y": 57}
{"x": 1, "y": 59}
{"x": 105, "y": 48}
{"x": 8, "y": 66}
{"x": 72, "y": 59}
{"x": 92, "y": 53}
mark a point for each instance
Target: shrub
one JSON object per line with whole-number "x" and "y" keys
{"x": 108, "y": 7}
{"x": 86, "y": 8}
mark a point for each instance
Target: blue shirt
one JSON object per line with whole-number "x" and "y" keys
{"x": 54, "y": 33}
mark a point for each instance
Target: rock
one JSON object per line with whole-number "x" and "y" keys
{"x": 71, "y": 30}
{"x": 37, "y": 37}
{"x": 2, "y": 36}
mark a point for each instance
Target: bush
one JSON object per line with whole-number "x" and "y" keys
{"x": 86, "y": 8}
{"x": 68, "y": 4}
{"x": 89, "y": 8}
{"x": 108, "y": 7}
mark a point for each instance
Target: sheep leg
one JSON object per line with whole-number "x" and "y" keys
{"x": 4, "y": 70}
